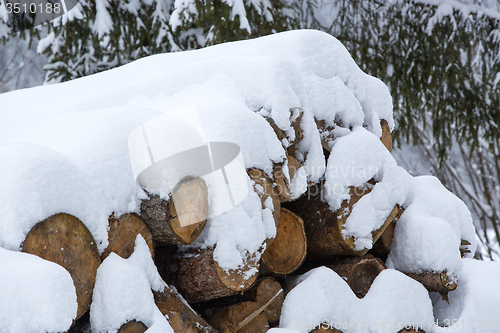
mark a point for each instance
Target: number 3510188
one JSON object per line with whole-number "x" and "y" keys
{"x": 33, "y": 8}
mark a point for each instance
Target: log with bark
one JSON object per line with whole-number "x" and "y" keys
{"x": 263, "y": 186}
{"x": 122, "y": 234}
{"x": 182, "y": 318}
{"x": 180, "y": 219}
{"x": 245, "y": 317}
{"x": 266, "y": 290}
{"x": 324, "y": 227}
{"x": 199, "y": 278}
{"x": 386, "y": 134}
{"x": 288, "y": 143}
{"x": 439, "y": 282}
{"x": 65, "y": 240}
{"x": 359, "y": 273}
{"x": 288, "y": 250}
{"x": 282, "y": 184}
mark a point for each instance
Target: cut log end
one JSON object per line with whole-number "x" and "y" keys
{"x": 122, "y": 234}
{"x": 133, "y": 327}
{"x": 231, "y": 318}
{"x": 239, "y": 279}
{"x": 64, "y": 239}
{"x": 438, "y": 282}
{"x": 288, "y": 250}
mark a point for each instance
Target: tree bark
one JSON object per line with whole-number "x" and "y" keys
{"x": 122, "y": 234}
{"x": 288, "y": 250}
{"x": 65, "y": 240}
{"x": 182, "y": 318}
{"x": 199, "y": 278}
{"x": 180, "y": 223}
{"x": 438, "y": 282}
{"x": 263, "y": 186}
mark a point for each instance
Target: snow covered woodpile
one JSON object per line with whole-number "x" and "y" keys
{"x": 325, "y": 231}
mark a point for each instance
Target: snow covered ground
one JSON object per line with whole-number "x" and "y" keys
{"x": 64, "y": 148}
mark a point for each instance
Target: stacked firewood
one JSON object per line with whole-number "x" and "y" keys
{"x": 309, "y": 234}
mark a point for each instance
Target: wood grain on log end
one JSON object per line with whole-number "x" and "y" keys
{"x": 65, "y": 240}
{"x": 359, "y": 273}
{"x": 133, "y": 327}
{"x": 235, "y": 315}
{"x": 288, "y": 250}
{"x": 189, "y": 208}
{"x": 122, "y": 234}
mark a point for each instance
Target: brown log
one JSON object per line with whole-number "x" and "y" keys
{"x": 326, "y": 134}
{"x": 199, "y": 278}
{"x": 282, "y": 184}
{"x": 324, "y": 227}
{"x": 438, "y": 282}
{"x": 64, "y": 239}
{"x": 295, "y": 121}
{"x": 263, "y": 186}
{"x": 386, "y": 134}
{"x": 234, "y": 318}
{"x": 288, "y": 250}
{"x": 133, "y": 327}
{"x": 122, "y": 234}
{"x": 264, "y": 290}
{"x": 176, "y": 221}
{"x": 182, "y": 318}
{"x": 359, "y": 273}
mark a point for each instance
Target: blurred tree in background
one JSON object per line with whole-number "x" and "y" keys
{"x": 441, "y": 61}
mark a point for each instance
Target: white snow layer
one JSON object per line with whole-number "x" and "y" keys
{"x": 324, "y": 299}
{"x": 64, "y": 147}
{"x": 122, "y": 292}
{"x": 36, "y": 295}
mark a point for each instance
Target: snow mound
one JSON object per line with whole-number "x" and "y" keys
{"x": 36, "y": 295}
{"x": 322, "y": 298}
{"x": 122, "y": 292}
{"x": 474, "y": 305}
{"x": 66, "y": 144}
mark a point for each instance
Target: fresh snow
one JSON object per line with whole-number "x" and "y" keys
{"x": 64, "y": 148}
{"x": 36, "y": 295}
{"x": 67, "y": 143}
{"x": 122, "y": 292}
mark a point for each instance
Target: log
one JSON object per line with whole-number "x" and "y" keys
{"x": 359, "y": 273}
{"x": 199, "y": 278}
{"x": 386, "y": 134}
{"x": 324, "y": 227}
{"x": 464, "y": 247}
{"x": 437, "y": 282}
{"x": 178, "y": 223}
{"x": 240, "y": 318}
{"x": 288, "y": 250}
{"x": 65, "y": 240}
{"x": 263, "y": 186}
{"x": 182, "y": 318}
{"x": 295, "y": 120}
{"x": 325, "y": 329}
{"x": 133, "y": 327}
{"x": 122, "y": 234}
{"x": 282, "y": 184}
{"x": 266, "y": 290}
